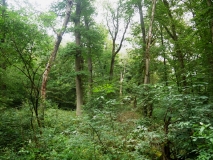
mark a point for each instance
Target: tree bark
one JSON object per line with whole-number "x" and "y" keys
{"x": 142, "y": 25}
{"x": 147, "y": 53}
{"x": 148, "y": 108}
{"x": 143, "y": 31}
{"x": 78, "y": 61}
{"x": 53, "y": 55}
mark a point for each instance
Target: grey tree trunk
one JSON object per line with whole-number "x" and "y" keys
{"x": 78, "y": 61}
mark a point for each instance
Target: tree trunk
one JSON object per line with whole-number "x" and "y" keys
{"x": 147, "y": 53}
{"x": 79, "y": 86}
{"x": 78, "y": 61}
{"x": 112, "y": 64}
{"x": 167, "y": 143}
{"x": 53, "y": 55}
{"x": 142, "y": 25}
{"x": 148, "y": 108}
{"x": 143, "y": 31}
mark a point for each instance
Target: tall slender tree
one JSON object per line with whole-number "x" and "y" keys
{"x": 78, "y": 59}
{"x": 147, "y": 53}
{"x": 59, "y": 36}
{"x": 54, "y": 53}
{"x": 114, "y": 19}
{"x": 171, "y": 29}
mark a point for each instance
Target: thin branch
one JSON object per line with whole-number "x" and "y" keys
{"x": 123, "y": 36}
{"x": 109, "y": 27}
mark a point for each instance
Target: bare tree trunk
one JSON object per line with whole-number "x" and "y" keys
{"x": 78, "y": 61}
{"x": 148, "y": 108}
{"x": 53, "y": 55}
{"x": 147, "y": 53}
{"x": 79, "y": 86}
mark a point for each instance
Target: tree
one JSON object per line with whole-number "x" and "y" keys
{"x": 114, "y": 19}
{"x": 202, "y": 29}
{"x": 90, "y": 40}
{"x": 54, "y": 53}
{"x": 23, "y": 48}
{"x": 178, "y": 57}
{"x": 143, "y": 31}
{"x": 78, "y": 59}
{"x": 147, "y": 53}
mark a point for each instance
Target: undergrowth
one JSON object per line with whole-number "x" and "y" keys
{"x": 104, "y": 136}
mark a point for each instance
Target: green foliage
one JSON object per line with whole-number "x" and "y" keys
{"x": 15, "y": 129}
{"x": 48, "y": 19}
{"x": 68, "y": 137}
{"x": 203, "y": 138}
{"x": 169, "y": 121}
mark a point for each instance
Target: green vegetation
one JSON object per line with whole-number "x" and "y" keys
{"x": 138, "y": 86}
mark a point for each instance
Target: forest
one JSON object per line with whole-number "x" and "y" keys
{"x": 106, "y": 80}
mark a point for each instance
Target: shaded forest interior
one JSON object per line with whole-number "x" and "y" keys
{"x": 128, "y": 80}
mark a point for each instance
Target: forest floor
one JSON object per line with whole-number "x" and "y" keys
{"x": 103, "y": 135}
